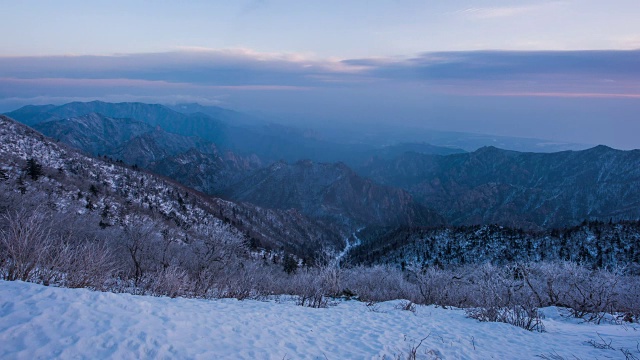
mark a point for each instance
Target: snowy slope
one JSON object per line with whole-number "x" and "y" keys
{"x": 47, "y": 322}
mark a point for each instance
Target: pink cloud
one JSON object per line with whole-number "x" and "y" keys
{"x": 565, "y": 95}
{"x": 153, "y": 84}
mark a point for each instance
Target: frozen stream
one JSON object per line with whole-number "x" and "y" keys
{"x": 350, "y": 245}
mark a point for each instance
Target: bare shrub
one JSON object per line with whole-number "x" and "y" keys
{"x": 406, "y": 306}
{"x": 87, "y": 264}
{"x": 494, "y": 286}
{"x": 373, "y": 306}
{"x": 138, "y": 241}
{"x": 554, "y": 356}
{"x": 306, "y": 284}
{"x": 413, "y": 352}
{"x": 217, "y": 264}
{"x": 628, "y": 298}
{"x": 547, "y": 282}
{"x": 309, "y": 288}
{"x": 444, "y": 288}
{"x": 26, "y": 242}
{"x": 379, "y": 283}
{"x": 171, "y": 281}
{"x": 601, "y": 344}
{"x": 590, "y": 294}
{"x": 527, "y": 318}
{"x": 243, "y": 280}
{"x": 628, "y": 354}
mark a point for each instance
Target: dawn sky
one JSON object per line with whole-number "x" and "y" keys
{"x": 563, "y": 70}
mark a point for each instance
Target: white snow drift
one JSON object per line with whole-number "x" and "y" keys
{"x": 38, "y": 322}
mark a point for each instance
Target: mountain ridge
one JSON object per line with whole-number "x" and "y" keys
{"x": 331, "y": 190}
{"x": 113, "y": 194}
{"x": 229, "y": 130}
{"x": 535, "y": 190}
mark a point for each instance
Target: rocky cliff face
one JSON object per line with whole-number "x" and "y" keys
{"x": 530, "y": 190}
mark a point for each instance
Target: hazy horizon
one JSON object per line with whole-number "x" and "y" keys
{"x": 563, "y": 70}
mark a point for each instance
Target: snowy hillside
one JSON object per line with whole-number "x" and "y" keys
{"x": 74, "y": 183}
{"x": 48, "y": 322}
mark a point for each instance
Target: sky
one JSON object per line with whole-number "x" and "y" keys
{"x": 566, "y": 70}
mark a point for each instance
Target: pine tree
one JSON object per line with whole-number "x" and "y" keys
{"x": 290, "y": 264}
{"x": 34, "y": 169}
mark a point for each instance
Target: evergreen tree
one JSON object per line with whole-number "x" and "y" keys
{"x": 290, "y": 264}
{"x": 34, "y": 169}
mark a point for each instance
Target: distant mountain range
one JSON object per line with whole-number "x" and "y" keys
{"x": 378, "y": 135}
{"x": 229, "y": 154}
{"x": 122, "y": 138}
{"x": 532, "y": 190}
{"x": 323, "y": 191}
{"x": 230, "y": 131}
{"x": 191, "y": 160}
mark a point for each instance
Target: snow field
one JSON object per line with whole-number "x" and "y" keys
{"x": 38, "y": 322}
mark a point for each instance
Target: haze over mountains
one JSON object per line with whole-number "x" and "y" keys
{"x": 99, "y": 190}
{"x": 350, "y": 184}
{"x": 223, "y": 126}
{"x": 141, "y": 144}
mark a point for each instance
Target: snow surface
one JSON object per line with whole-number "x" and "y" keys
{"x": 38, "y": 322}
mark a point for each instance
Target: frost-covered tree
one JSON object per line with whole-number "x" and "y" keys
{"x": 26, "y": 242}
